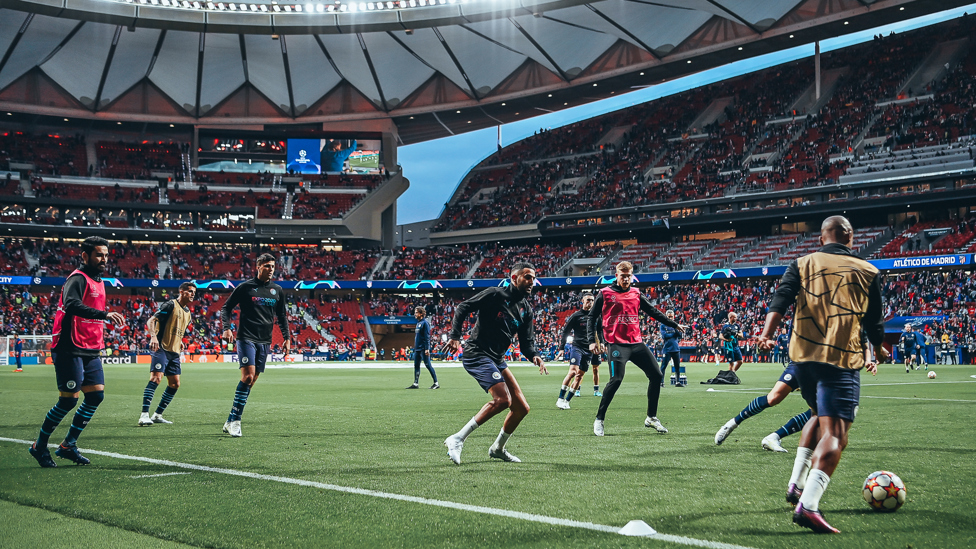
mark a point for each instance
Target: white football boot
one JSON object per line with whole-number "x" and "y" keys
{"x": 145, "y": 420}
{"x": 725, "y": 431}
{"x": 771, "y": 443}
{"x": 454, "y": 446}
{"x": 656, "y": 424}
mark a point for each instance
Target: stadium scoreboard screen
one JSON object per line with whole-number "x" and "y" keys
{"x": 289, "y": 151}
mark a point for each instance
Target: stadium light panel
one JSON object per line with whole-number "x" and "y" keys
{"x": 264, "y": 7}
{"x": 362, "y": 6}
{"x": 288, "y": 9}
{"x": 196, "y": 5}
{"x": 413, "y": 3}
{"x": 210, "y": 5}
{"x": 233, "y": 6}
{"x": 370, "y": 6}
{"x": 390, "y": 5}
{"x": 254, "y": 8}
{"x": 319, "y": 8}
{"x": 277, "y": 8}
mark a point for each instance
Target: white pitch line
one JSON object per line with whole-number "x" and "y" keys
{"x": 160, "y": 475}
{"x": 543, "y": 519}
{"x": 917, "y": 398}
{"x": 862, "y": 396}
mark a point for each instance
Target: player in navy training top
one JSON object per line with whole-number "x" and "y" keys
{"x": 672, "y": 353}
{"x": 503, "y": 313}
{"x": 730, "y": 335}
{"x": 578, "y": 355}
{"x": 262, "y": 302}
{"x": 783, "y": 347}
{"x": 18, "y": 352}
{"x": 421, "y": 348}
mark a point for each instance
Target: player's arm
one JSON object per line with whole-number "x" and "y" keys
{"x": 71, "y": 297}
{"x": 526, "y": 335}
{"x": 873, "y": 320}
{"x": 156, "y": 324}
{"x": 283, "y": 326}
{"x": 233, "y": 301}
{"x": 568, "y": 327}
{"x": 594, "y": 325}
{"x": 783, "y": 299}
{"x": 648, "y": 308}
{"x": 461, "y": 314}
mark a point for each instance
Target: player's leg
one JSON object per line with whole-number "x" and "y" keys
{"x": 574, "y": 384}
{"x": 574, "y": 358}
{"x": 676, "y": 368}
{"x": 838, "y": 393}
{"x": 430, "y": 368}
{"x": 416, "y": 371}
{"x": 155, "y": 376}
{"x": 20, "y": 366}
{"x": 70, "y": 374}
{"x": 618, "y": 357}
{"x": 736, "y": 362}
{"x": 644, "y": 359}
{"x": 488, "y": 374}
{"x": 772, "y": 441}
{"x": 173, "y": 371}
{"x": 595, "y": 362}
{"x": 247, "y": 355}
{"x": 517, "y": 410}
{"x": 93, "y": 387}
{"x": 775, "y": 396}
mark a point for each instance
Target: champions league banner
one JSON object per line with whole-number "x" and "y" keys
{"x": 717, "y": 275}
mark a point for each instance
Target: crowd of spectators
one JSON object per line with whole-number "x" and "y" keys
{"x": 662, "y": 158}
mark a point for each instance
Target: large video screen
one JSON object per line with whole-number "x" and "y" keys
{"x": 304, "y": 156}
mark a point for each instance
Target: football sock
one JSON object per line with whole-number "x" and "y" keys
{"x": 501, "y": 440}
{"x": 467, "y": 429}
{"x": 562, "y": 391}
{"x": 754, "y": 407}
{"x": 168, "y": 395}
{"x": 596, "y": 388}
{"x": 240, "y": 400}
{"x": 570, "y": 393}
{"x": 801, "y": 464}
{"x": 817, "y": 482}
{"x": 416, "y": 375}
{"x": 794, "y": 425}
{"x": 53, "y": 419}
{"x": 147, "y": 396}
{"x": 83, "y": 416}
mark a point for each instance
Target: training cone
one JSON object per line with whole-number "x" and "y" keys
{"x": 637, "y": 528}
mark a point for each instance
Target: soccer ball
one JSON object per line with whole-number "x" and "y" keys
{"x": 931, "y": 375}
{"x": 884, "y": 491}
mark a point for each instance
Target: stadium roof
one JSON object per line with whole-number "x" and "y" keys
{"x": 435, "y": 69}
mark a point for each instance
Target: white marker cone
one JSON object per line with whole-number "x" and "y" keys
{"x": 637, "y": 528}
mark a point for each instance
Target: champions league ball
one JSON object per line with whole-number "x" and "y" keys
{"x": 931, "y": 375}
{"x": 884, "y": 491}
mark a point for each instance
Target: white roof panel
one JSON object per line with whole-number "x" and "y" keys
{"x": 347, "y": 53}
{"x": 78, "y": 66}
{"x": 399, "y": 72}
{"x": 572, "y": 48}
{"x": 175, "y": 71}
{"x": 42, "y": 36}
{"x": 473, "y": 52}
{"x": 266, "y": 68}
{"x": 131, "y": 61}
{"x": 311, "y": 74}
{"x": 223, "y": 69}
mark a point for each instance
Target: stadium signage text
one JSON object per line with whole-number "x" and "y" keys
{"x": 578, "y": 281}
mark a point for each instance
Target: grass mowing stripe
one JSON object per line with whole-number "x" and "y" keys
{"x": 411, "y": 499}
{"x": 159, "y": 475}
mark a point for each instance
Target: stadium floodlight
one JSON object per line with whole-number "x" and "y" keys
{"x": 210, "y": 5}
{"x": 413, "y": 3}
{"x": 422, "y": 2}
{"x": 309, "y": 8}
{"x": 254, "y": 8}
{"x": 389, "y": 5}
{"x": 165, "y": 2}
{"x": 288, "y": 9}
{"x": 320, "y": 8}
{"x": 370, "y": 6}
{"x": 277, "y": 8}
{"x": 330, "y": 8}
{"x": 362, "y": 6}
{"x": 442, "y": 1}
{"x": 343, "y": 8}
{"x": 196, "y": 5}
{"x": 143, "y": 2}
{"x": 263, "y": 7}
{"x": 233, "y": 6}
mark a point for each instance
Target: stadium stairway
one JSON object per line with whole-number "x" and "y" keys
{"x": 934, "y": 66}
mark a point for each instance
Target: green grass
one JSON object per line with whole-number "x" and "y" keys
{"x": 359, "y": 428}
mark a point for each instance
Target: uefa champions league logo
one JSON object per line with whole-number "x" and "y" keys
{"x": 470, "y": 283}
{"x": 155, "y": 283}
{"x": 569, "y": 281}
{"x": 666, "y": 276}
{"x": 302, "y": 157}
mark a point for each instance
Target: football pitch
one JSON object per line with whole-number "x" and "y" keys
{"x": 345, "y": 457}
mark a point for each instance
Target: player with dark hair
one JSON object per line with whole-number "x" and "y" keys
{"x": 166, "y": 329}
{"x": 615, "y": 318}
{"x": 421, "y": 348}
{"x": 503, "y": 313}
{"x": 730, "y": 334}
{"x": 261, "y": 302}
{"x": 78, "y": 338}
{"x": 911, "y": 344}
{"x": 18, "y": 352}
{"x": 838, "y": 301}
{"x": 783, "y": 347}
{"x": 580, "y": 356}
{"x": 672, "y": 353}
